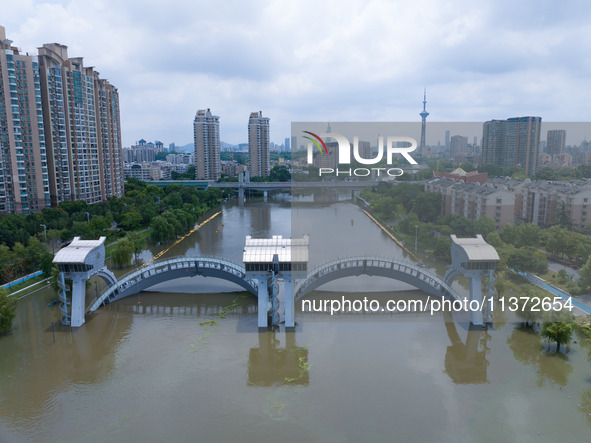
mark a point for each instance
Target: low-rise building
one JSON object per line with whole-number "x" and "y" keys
{"x": 544, "y": 203}
{"x": 473, "y": 200}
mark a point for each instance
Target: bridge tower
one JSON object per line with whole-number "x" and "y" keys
{"x": 78, "y": 262}
{"x": 273, "y": 263}
{"x": 474, "y": 258}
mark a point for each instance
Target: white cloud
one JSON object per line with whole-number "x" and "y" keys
{"x": 306, "y": 60}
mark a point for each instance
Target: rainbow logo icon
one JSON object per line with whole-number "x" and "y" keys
{"x": 315, "y": 142}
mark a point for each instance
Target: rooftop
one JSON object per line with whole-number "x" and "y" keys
{"x": 476, "y": 248}
{"x": 288, "y": 250}
{"x": 77, "y": 251}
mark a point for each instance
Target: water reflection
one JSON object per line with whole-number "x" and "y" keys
{"x": 466, "y": 362}
{"x": 528, "y": 349}
{"x": 181, "y": 304}
{"x": 260, "y": 221}
{"x": 37, "y": 372}
{"x": 270, "y": 364}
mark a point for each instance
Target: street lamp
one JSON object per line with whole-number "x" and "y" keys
{"x": 44, "y": 232}
{"x": 416, "y": 236}
{"x": 87, "y": 217}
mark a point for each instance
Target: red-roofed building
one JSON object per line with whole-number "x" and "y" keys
{"x": 459, "y": 175}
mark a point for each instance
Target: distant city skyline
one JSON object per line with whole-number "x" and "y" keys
{"x": 345, "y": 61}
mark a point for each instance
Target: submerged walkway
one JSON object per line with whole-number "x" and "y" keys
{"x": 541, "y": 283}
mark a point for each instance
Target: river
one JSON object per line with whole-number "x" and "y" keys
{"x": 172, "y": 365}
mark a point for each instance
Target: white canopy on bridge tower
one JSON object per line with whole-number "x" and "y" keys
{"x": 79, "y": 261}
{"x": 474, "y": 258}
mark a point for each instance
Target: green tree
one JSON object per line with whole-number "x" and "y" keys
{"x": 98, "y": 223}
{"x": 494, "y": 239}
{"x": 509, "y": 233}
{"x": 138, "y": 242}
{"x": 527, "y": 259}
{"x": 7, "y": 311}
{"x": 462, "y": 226}
{"x": 443, "y": 248}
{"x": 407, "y": 225}
{"x": 427, "y": 205}
{"x": 53, "y": 236}
{"x": 279, "y": 173}
{"x": 584, "y": 248}
{"x": 81, "y": 229}
{"x": 384, "y": 207}
{"x": 585, "y": 275}
{"x": 558, "y": 327}
{"x": 485, "y": 225}
{"x": 160, "y": 229}
{"x": 121, "y": 257}
{"x": 46, "y": 263}
{"x": 528, "y": 234}
{"x": 555, "y": 240}
{"x": 131, "y": 220}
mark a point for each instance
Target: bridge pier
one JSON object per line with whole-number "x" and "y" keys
{"x": 289, "y": 303}
{"x": 476, "y": 317}
{"x": 263, "y": 301}
{"x": 78, "y": 300}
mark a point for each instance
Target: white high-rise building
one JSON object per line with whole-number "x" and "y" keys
{"x": 206, "y": 131}
{"x": 258, "y": 143}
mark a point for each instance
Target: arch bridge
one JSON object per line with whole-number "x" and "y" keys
{"x": 170, "y": 269}
{"x": 268, "y": 269}
{"x": 406, "y": 272}
{"x": 173, "y": 268}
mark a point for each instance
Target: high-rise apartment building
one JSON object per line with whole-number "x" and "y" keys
{"x": 512, "y": 143}
{"x": 206, "y": 131}
{"x": 24, "y": 181}
{"x": 110, "y": 144}
{"x": 258, "y": 144}
{"x": 81, "y": 127}
{"x": 555, "y": 141}
{"x": 63, "y": 130}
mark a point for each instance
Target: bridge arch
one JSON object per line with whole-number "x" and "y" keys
{"x": 406, "y": 272}
{"x": 170, "y": 269}
{"x": 107, "y": 276}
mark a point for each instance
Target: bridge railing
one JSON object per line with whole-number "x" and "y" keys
{"x": 176, "y": 259}
{"x": 132, "y": 275}
{"x": 353, "y": 262}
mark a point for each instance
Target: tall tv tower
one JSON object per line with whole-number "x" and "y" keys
{"x": 424, "y": 116}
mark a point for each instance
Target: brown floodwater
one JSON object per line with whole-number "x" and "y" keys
{"x": 175, "y": 365}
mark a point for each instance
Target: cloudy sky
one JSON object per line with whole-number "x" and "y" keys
{"x": 304, "y": 60}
